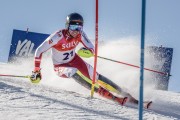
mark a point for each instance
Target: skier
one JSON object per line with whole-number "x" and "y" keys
{"x": 67, "y": 63}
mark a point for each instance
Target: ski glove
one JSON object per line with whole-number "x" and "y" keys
{"x": 36, "y": 76}
{"x": 84, "y": 52}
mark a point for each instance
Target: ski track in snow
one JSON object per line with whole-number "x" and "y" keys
{"x": 20, "y": 100}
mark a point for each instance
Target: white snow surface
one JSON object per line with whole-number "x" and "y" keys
{"x": 21, "y": 100}
{"x": 59, "y": 98}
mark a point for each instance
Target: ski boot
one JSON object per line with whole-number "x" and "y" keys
{"x": 105, "y": 93}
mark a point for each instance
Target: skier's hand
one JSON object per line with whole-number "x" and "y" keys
{"x": 84, "y": 52}
{"x": 36, "y": 76}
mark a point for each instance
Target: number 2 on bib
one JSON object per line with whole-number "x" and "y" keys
{"x": 68, "y": 55}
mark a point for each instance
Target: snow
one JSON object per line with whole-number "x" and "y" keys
{"x": 19, "y": 99}
{"x": 59, "y": 98}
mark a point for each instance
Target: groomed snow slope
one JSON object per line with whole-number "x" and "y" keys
{"x": 21, "y": 100}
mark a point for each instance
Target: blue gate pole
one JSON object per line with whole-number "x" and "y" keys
{"x": 143, "y": 16}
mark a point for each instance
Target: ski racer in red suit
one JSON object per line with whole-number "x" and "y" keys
{"x": 67, "y": 63}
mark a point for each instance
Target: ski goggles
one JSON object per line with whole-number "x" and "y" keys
{"x": 76, "y": 27}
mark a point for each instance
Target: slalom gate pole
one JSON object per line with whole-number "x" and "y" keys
{"x": 141, "y": 86}
{"x": 3, "y": 75}
{"x": 96, "y": 47}
{"x": 134, "y": 66}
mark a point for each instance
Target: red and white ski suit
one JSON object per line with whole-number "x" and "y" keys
{"x": 66, "y": 61}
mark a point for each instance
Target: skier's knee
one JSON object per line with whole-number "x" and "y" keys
{"x": 65, "y": 72}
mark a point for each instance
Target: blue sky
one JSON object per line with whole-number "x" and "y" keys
{"x": 117, "y": 18}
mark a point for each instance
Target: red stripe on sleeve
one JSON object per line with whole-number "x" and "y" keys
{"x": 37, "y": 61}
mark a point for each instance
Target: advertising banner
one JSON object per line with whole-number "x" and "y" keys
{"x": 162, "y": 59}
{"x": 24, "y": 44}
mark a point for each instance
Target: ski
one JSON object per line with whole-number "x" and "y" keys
{"x": 101, "y": 90}
{"x": 146, "y": 104}
{"x": 107, "y": 89}
{"x": 122, "y": 100}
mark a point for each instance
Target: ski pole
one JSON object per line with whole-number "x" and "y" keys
{"x": 134, "y": 66}
{"x": 27, "y": 76}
